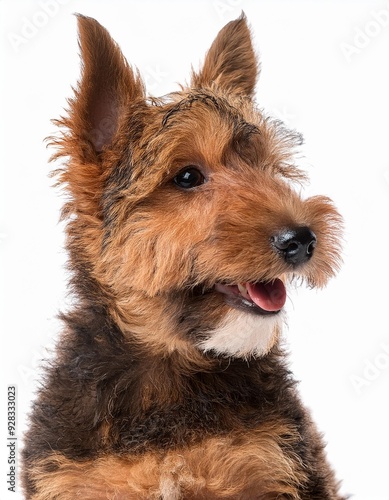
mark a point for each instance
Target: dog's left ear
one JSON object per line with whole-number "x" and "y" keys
{"x": 230, "y": 63}
{"x": 107, "y": 87}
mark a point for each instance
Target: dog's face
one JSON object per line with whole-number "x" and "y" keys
{"x": 184, "y": 215}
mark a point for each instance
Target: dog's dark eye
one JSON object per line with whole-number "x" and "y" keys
{"x": 189, "y": 178}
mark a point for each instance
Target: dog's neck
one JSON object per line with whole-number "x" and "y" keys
{"x": 160, "y": 327}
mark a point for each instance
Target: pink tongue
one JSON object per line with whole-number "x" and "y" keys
{"x": 268, "y": 296}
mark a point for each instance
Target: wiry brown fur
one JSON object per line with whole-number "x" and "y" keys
{"x": 133, "y": 407}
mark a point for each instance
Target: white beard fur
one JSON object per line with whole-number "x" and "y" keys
{"x": 244, "y": 335}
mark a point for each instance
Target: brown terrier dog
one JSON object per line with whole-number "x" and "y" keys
{"x": 183, "y": 232}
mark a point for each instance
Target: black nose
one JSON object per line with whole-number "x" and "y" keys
{"x": 295, "y": 245}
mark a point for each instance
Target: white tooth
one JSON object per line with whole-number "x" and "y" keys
{"x": 243, "y": 291}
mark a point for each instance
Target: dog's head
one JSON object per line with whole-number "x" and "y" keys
{"x": 184, "y": 221}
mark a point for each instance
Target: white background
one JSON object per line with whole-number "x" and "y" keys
{"x": 325, "y": 71}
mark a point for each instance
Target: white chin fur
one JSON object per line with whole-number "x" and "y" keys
{"x": 244, "y": 335}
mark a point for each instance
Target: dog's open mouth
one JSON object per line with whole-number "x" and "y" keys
{"x": 260, "y": 298}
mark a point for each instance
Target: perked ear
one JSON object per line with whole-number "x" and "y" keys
{"x": 230, "y": 63}
{"x": 107, "y": 86}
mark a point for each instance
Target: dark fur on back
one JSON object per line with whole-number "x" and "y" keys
{"x": 98, "y": 379}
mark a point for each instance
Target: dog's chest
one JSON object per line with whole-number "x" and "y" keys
{"x": 257, "y": 465}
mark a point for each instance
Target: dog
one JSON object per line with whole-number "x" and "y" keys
{"x": 185, "y": 228}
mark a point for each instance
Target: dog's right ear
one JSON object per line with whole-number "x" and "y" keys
{"x": 231, "y": 63}
{"x": 107, "y": 87}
